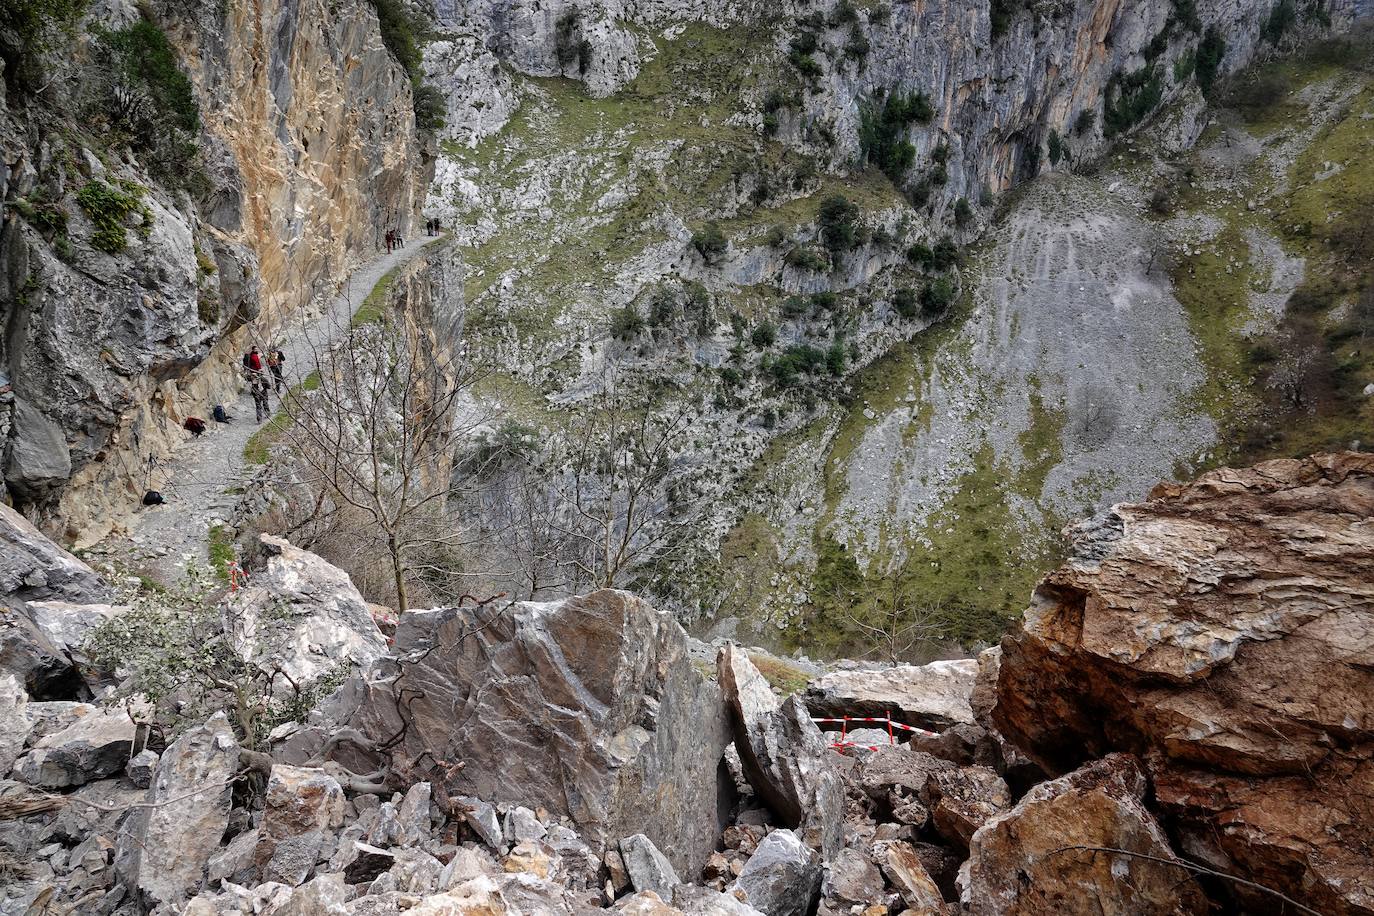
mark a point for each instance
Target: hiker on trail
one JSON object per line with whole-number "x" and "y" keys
{"x": 261, "y": 389}
{"x": 390, "y": 240}
{"x": 276, "y": 359}
{"x": 400, "y": 242}
{"x": 252, "y": 362}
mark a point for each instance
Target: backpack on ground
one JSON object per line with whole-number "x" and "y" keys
{"x": 153, "y": 498}
{"x": 220, "y": 415}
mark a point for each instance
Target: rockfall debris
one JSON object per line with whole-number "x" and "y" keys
{"x": 1179, "y": 727}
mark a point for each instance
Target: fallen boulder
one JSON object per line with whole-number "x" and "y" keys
{"x": 164, "y": 847}
{"x": 782, "y": 877}
{"x": 15, "y": 723}
{"x": 95, "y": 745}
{"x": 903, "y": 867}
{"x": 33, "y": 568}
{"x": 933, "y": 696}
{"x": 1220, "y": 630}
{"x": 784, "y": 756}
{"x": 302, "y": 616}
{"x": 1047, "y": 854}
{"x": 589, "y": 708}
{"x": 304, "y": 806}
{"x": 646, "y": 867}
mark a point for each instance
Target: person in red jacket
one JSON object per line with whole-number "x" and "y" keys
{"x": 252, "y": 360}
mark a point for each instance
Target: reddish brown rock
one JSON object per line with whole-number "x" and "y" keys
{"x": 1225, "y": 631}
{"x": 1032, "y": 860}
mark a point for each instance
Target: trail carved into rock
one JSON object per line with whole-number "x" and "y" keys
{"x": 202, "y": 481}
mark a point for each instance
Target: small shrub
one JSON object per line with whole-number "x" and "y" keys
{"x": 1000, "y": 13}
{"x": 794, "y": 307}
{"x": 770, "y": 125}
{"x": 880, "y": 15}
{"x": 1210, "y": 53}
{"x": 938, "y": 175}
{"x": 626, "y": 322}
{"x": 31, "y": 28}
{"x": 1056, "y": 147}
{"x": 764, "y": 335}
{"x": 844, "y": 13}
{"x": 882, "y": 131}
{"x": 963, "y": 213}
{"x": 937, "y": 297}
{"x": 1184, "y": 66}
{"x": 825, "y": 301}
{"x": 109, "y": 209}
{"x": 1161, "y": 202}
{"x": 836, "y": 357}
{"x": 404, "y": 34}
{"x": 804, "y": 258}
{"x": 1185, "y": 12}
{"x": 857, "y": 47}
{"x": 1131, "y": 98}
{"x": 905, "y": 302}
{"x": 710, "y": 242}
{"x": 1085, "y": 121}
{"x": 1283, "y": 15}
{"x": 776, "y": 238}
{"x": 839, "y": 225}
{"x": 921, "y": 255}
{"x": 662, "y": 309}
{"x": 945, "y": 254}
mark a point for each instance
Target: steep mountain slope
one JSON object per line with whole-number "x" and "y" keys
{"x": 756, "y": 214}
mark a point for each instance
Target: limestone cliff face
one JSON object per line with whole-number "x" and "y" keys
{"x": 310, "y": 151}
{"x": 998, "y": 97}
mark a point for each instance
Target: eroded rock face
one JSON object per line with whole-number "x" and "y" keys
{"x": 162, "y": 851}
{"x": 1021, "y": 862}
{"x": 588, "y": 707}
{"x": 783, "y": 754}
{"x": 933, "y": 696}
{"x": 1222, "y": 629}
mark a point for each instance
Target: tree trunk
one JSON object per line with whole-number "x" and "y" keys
{"x": 399, "y": 571}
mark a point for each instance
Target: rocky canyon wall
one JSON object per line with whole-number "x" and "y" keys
{"x": 306, "y": 154}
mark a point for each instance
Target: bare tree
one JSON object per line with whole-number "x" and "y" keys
{"x": 895, "y": 623}
{"x": 630, "y": 494}
{"x": 373, "y": 430}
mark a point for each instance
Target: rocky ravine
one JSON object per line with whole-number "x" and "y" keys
{"x": 304, "y": 153}
{"x": 1197, "y": 674}
{"x": 947, "y": 448}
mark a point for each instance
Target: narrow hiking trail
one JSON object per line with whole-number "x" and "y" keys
{"x": 201, "y": 483}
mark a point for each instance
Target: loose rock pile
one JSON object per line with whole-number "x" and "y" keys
{"x": 569, "y": 757}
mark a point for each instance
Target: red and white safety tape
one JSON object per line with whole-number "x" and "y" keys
{"x": 845, "y": 721}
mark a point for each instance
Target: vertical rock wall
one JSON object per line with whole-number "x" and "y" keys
{"x": 309, "y": 144}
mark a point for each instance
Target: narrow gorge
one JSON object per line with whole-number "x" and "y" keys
{"x": 726, "y": 457}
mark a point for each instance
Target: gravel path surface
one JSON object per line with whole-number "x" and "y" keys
{"x": 202, "y": 481}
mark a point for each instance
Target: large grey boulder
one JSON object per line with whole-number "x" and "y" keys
{"x": 302, "y": 615}
{"x": 304, "y": 806}
{"x": 94, "y": 746}
{"x": 589, "y": 708}
{"x": 33, "y": 568}
{"x": 37, "y": 460}
{"x": 15, "y": 723}
{"x": 163, "y": 849}
{"x": 933, "y": 696}
{"x": 646, "y": 866}
{"x": 784, "y": 756}
{"x": 782, "y": 877}
{"x": 68, "y": 625}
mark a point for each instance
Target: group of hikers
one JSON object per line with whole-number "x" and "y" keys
{"x": 264, "y": 373}
{"x": 432, "y": 226}
{"x": 395, "y": 240}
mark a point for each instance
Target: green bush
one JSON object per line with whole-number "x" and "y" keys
{"x": 905, "y": 303}
{"x": 1131, "y": 98}
{"x": 844, "y": 13}
{"x": 839, "y": 224}
{"x": 794, "y": 307}
{"x": 963, "y": 213}
{"x": 1056, "y": 147}
{"x": 1085, "y": 121}
{"x": 1185, "y": 12}
{"x": 662, "y": 308}
{"x": 937, "y": 297}
{"x": 825, "y": 301}
{"x": 31, "y": 28}
{"x": 776, "y": 238}
{"x": 1001, "y": 13}
{"x": 945, "y": 254}
{"x": 921, "y": 255}
{"x": 857, "y": 47}
{"x": 882, "y": 131}
{"x": 1184, "y": 66}
{"x": 1283, "y": 15}
{"x": 710, "y": 242}
{"x": 1210, "y": 53}
{"x": 626, "y": 322}
{"x": 404, "y": 33}
{"x": 109, "y": 209}
{"x": 147, "y": 59}
{"x": 836, "y": 356}
{"x": 764, "y": 335}
{"x": 804, "y": 258}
